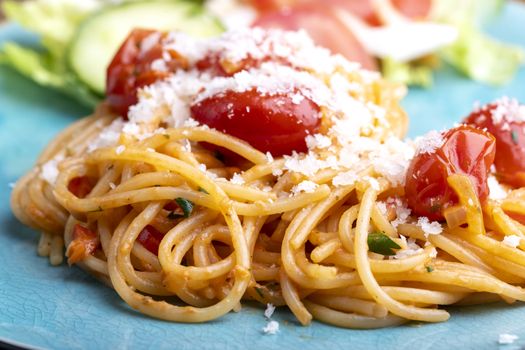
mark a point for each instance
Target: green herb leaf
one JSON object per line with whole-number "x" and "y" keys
{"x": 515, "y": 137}
{"x": 185, "y": 205}
{"x": 203, "y": 190}
{"x": 380, "y": 243}
{"x": 429, "y": 268}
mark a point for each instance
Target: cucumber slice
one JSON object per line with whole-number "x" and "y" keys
{"x": 100, "y": 36}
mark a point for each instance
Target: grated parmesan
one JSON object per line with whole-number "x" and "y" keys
{"x": 270, "y": 308}
{"x": 429, "y": 228}
{"x": 237, "y": 179}
{"x": 305, "y": 186}
{"x": 496, "y": 191}
{"x": 120, "y": 149}
{"x": 429, "y": 142}
{"x": 271, "y": 328}
{"x": 506, "y": 338}
{"x": 512, "y": 241}
{"x": 49, "y": 171}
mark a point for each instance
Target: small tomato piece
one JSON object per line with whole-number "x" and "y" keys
{"x": 81, "y": 186}
{"x": 131, "y": 68}
{"x": 85, "y": 242}
{"x": 150, "y": 238}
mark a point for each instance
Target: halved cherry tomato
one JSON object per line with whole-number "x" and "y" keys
{"x": 150, "y": 238}
{"x": 131, "y": 68}
{"x": 510, "y": 140}
{"x": 84, "y": 243}
{"x": 466, "y": 150}
{"x": 270, "y": 123}
{"x": 81, "y": 186}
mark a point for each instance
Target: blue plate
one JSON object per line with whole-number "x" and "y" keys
{"x": 64, "y": 308}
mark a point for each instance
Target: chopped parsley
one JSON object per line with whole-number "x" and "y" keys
{"x": 203, "y": 190}
{"x": 429, "y": 268}
{"x": 185, "y": 205}
{"x": 380, "y": 243}
{"x": 515, "y": 137}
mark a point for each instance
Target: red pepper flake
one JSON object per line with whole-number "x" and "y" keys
{"x": 85, "y": 242}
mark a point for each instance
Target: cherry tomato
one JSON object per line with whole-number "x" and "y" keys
{"x": 510, "y": 140}
{"x": 360, "y": 8}
{"x": 131, "y": 68}
{"x": 150, "y": 238}
{"x": 84, "y": 243}
{"x": 466, "y": 150}
{"x": 270, "y": 123}
{"x": 81, "y": 186}
{"x": 323, "y": 26}
{"x": 416, "y": 9}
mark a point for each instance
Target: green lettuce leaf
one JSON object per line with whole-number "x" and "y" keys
{"x": 55, "y": 21}
{"x": 482, "y": 58}
{"x": 41, "y": 68}
{"x": 475, "y": 54}
{"x": 409, "y": 73}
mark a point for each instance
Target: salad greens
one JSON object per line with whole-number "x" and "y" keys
{"x": 56, "y": 22}
{"x": 474, "y": 53}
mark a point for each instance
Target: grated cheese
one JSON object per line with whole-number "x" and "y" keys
{"x": 506, "y": 338}
{"x": 512, "y": 241}
{"x": 271, "y": 328}
{"x": 270, "y": 308}
{"x": 507, "y": 110}
{"x": 237, "y": 179}
{"x": 120, "y": 149}
{"x": 402, "y": 211}
{"x": 429, "y": 142}
{"x": 319, "y": 141}
{"x": 305, "y": 186}
{"x": 49, "y": 171}
{"x": 496, "y": 191}
{"x": 429, "y": 228}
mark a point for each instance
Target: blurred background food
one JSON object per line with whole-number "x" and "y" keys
{"x": 408, "y": 40}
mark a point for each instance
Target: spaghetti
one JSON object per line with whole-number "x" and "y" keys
{"x": 147, "y": 206}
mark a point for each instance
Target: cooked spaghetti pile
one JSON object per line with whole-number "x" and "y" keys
{"x": 159, "y": 204}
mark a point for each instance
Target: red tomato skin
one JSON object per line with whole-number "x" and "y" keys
{"x": 415, "y": 9}
{"x": 150, "y": 238}
{"x": 270, "y": 123}
{"x": 466, "y": 151}
{"x": 324, "y": 28}
{"x": 131, "y": 69}
{"x": 84, "y": 243}
{"x": 81, "y": 186}
{"x": 510, "y": 145}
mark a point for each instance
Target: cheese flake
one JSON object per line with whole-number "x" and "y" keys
{"x": 271, "y": 328}
{"x": 429, "y": 228}
{"x": 506, "y": 338}
{"x": 512, "y": 241}
{"x": 305, "y": 186}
